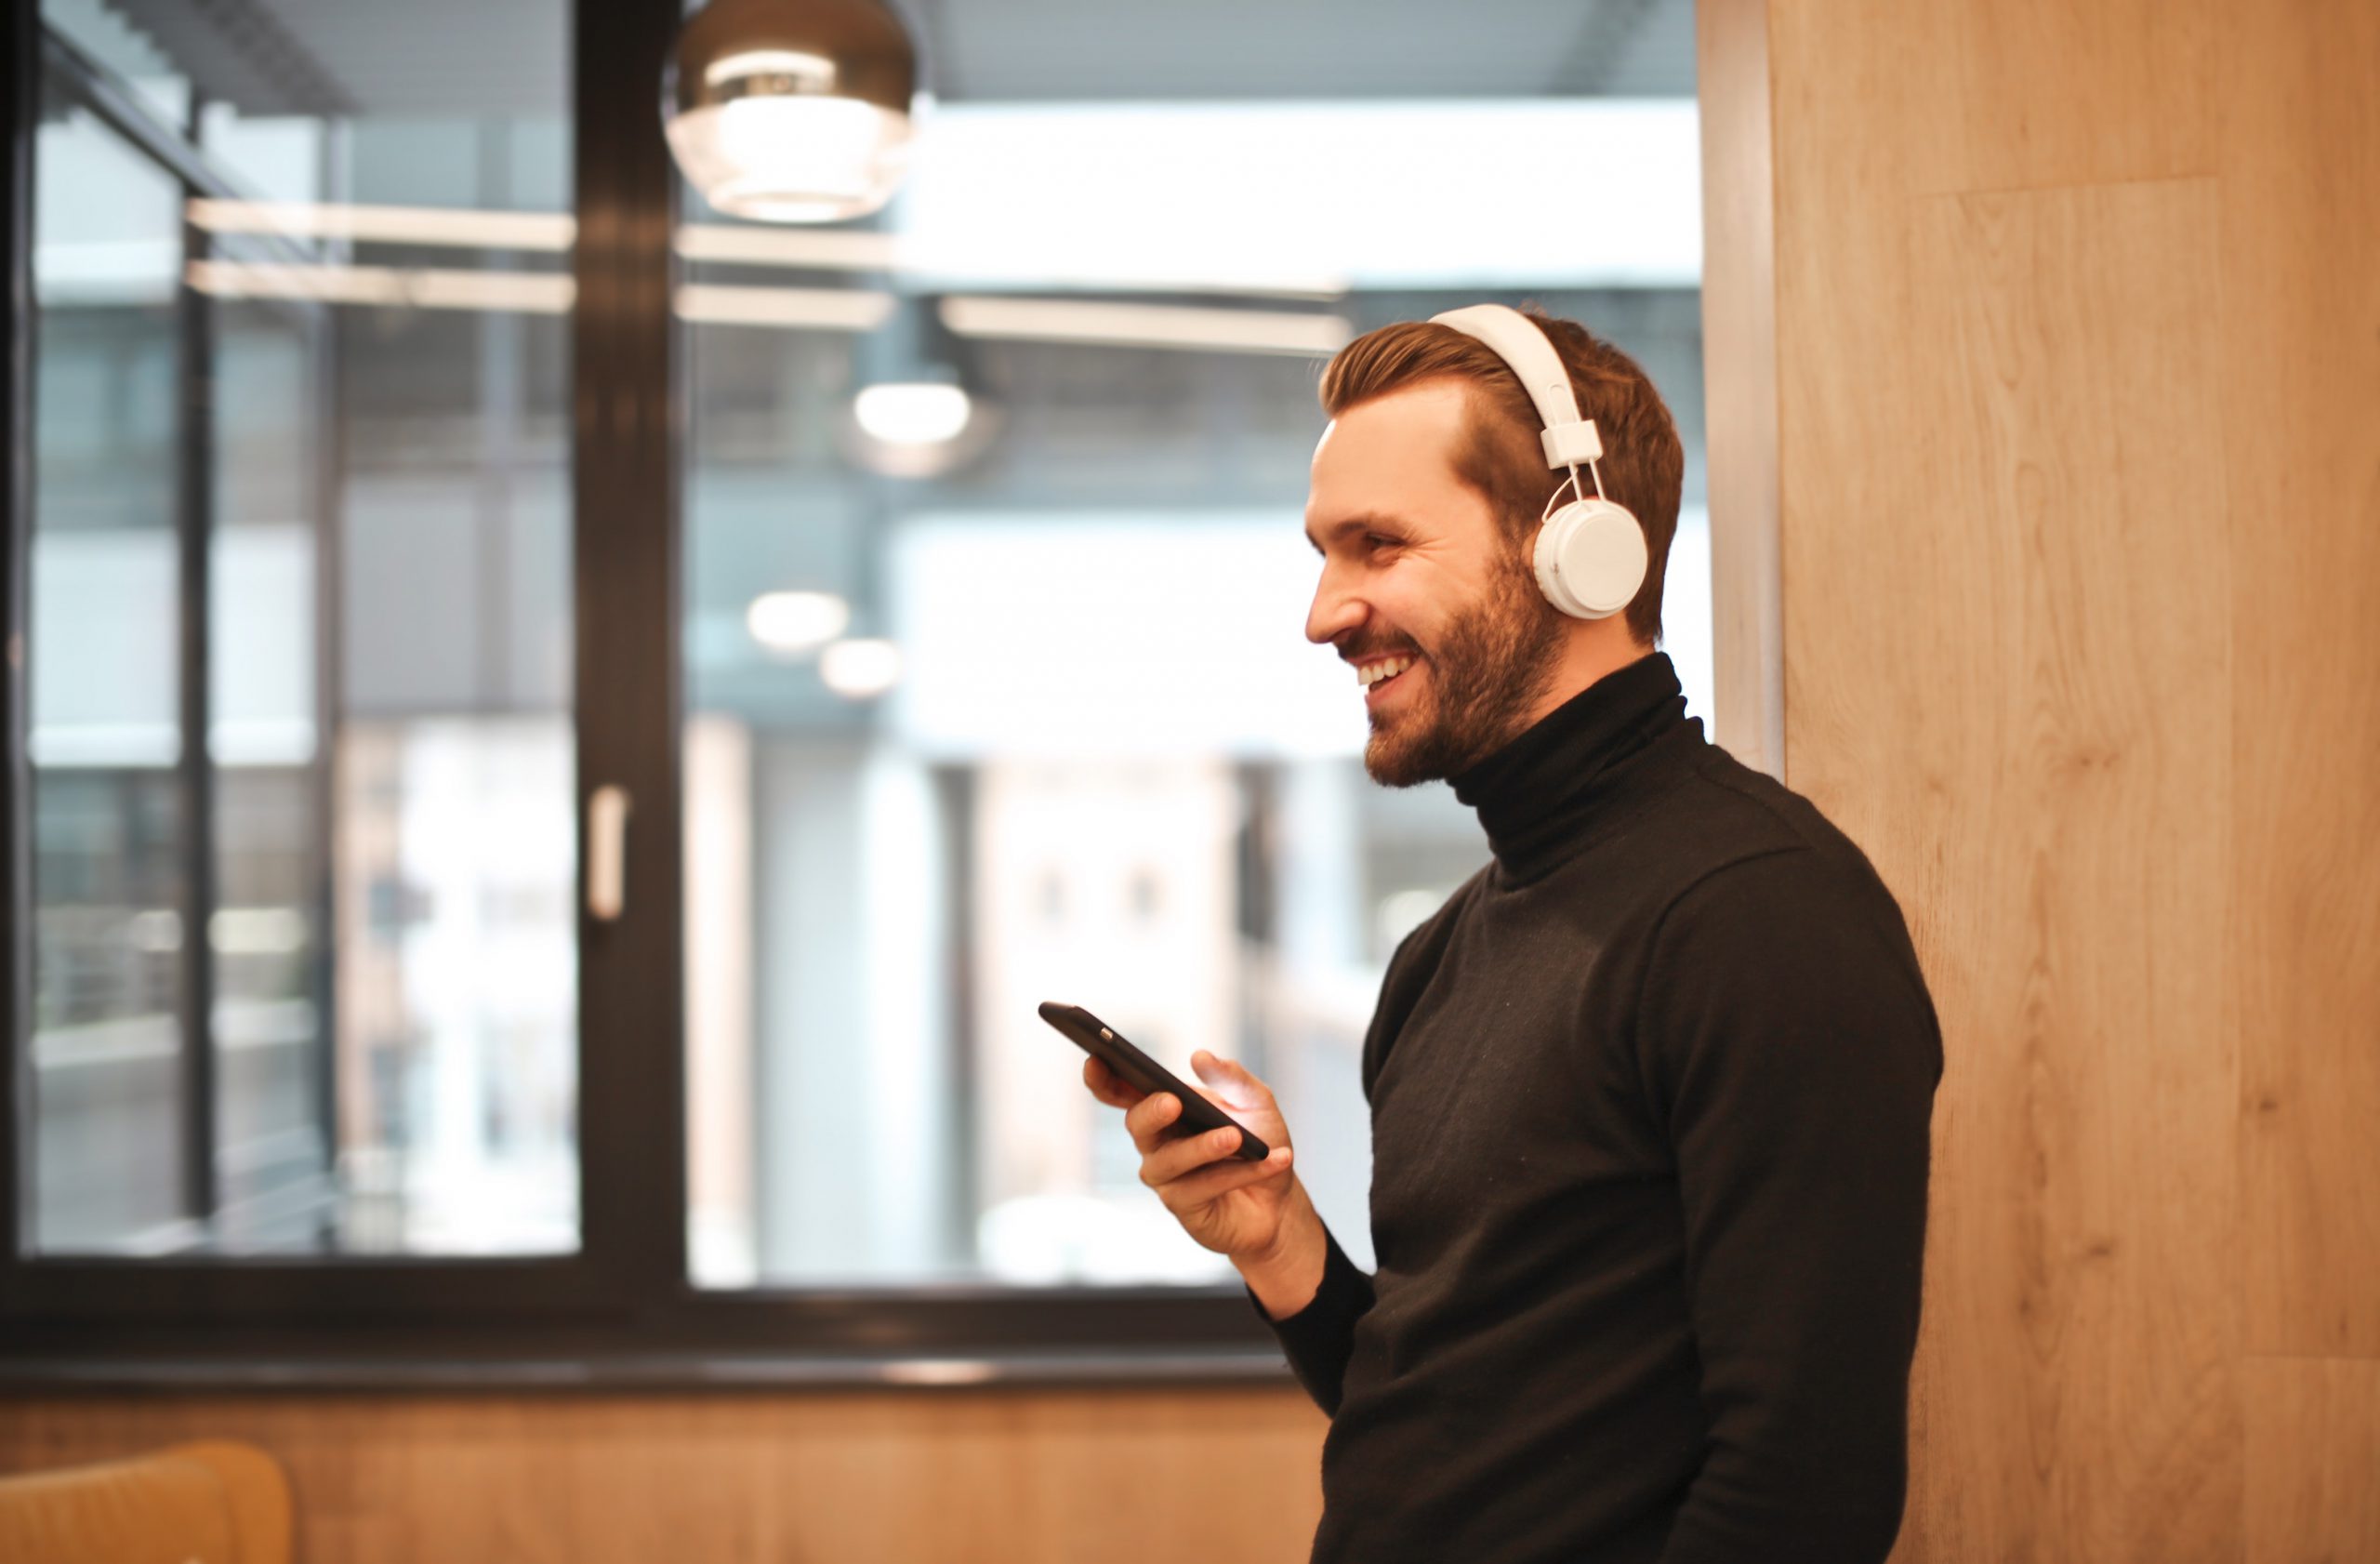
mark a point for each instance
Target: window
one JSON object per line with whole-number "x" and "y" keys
{"x": 377, "y": 512}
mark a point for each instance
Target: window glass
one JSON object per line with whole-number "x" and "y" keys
{"x": 306, "y": 983}
{"x": 110, "y": 830}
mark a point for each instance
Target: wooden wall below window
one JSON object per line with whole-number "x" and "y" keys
{"x": 962, "y": 1477}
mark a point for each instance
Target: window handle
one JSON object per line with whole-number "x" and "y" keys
{"x": 607, "y": 830}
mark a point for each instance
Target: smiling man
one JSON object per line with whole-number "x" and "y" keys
{"x": 1411, "y": 557}
{"x": 1651, "y": 1094}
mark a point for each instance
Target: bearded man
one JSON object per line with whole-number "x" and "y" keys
{"x": 1651, "y": 1094}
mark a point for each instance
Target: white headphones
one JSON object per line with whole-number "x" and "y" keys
{"x": 1590, "y": 555}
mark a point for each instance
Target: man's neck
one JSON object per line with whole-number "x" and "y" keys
{"x": 1593, "y": 650}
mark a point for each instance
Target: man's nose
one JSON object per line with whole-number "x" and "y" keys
{"x": 1333, "y": 613}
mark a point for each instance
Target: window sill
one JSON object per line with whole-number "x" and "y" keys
{"x": 678, "y": 1372}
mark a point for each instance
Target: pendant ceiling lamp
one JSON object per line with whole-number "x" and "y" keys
{"x": 792, "y": 111}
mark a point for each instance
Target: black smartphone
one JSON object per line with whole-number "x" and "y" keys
{"x": 1106, "y": 1043}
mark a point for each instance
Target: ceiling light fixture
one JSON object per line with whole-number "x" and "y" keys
{"x": 795, "y": 309}
{"x": 792, "y": 111}
{"x": 912, "y": 413}
{"x": 916, "y": 410}
{"x": 861, "y": 668}
{"x": 1147, "y": 325}
{"x": 792, "y": 623}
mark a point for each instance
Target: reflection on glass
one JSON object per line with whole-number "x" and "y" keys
{"x": 109, "y": 828}
{"x": 285, "y": 415}
{"x": 1098, "y": 762}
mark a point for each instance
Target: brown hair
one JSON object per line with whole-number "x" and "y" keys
{"x": 1497, "y": 455}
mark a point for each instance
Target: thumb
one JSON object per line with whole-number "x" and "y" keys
{"x": 1215, "y": 1068}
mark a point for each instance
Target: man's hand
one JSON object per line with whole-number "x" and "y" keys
{"x": 1232, "y": 1207}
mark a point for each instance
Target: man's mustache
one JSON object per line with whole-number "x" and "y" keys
{"x": 1378, "y": 648}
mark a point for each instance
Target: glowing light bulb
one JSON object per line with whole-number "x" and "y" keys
{"x": 919, "y": 414}
{"x": 790, "y": 623}
{"x": 860, "y": 669}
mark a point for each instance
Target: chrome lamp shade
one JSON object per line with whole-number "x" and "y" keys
{"x": 792, "y": 111}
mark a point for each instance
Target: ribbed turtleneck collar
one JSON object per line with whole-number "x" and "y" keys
{"x": 1534, "y": 793}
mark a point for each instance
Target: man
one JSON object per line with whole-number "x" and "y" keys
{"x": 1650, "y": 1094}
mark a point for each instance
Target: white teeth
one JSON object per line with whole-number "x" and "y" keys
{"x": 1379, "y": 670}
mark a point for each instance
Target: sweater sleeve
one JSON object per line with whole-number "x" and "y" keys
{"x": 1319, "y": 1338}
{"x": 1788, "y": 1035}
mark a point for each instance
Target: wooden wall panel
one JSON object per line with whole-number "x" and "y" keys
{"x": 2101, "y": 1048}
{"x": 2313, "y": 1459}
{"x": 964, "y": 1478}
{"x": 2080, "y": 1378}
{"x": 2077, "y": 479}
{"x": 2299, "y": 233}
{"x": 2033, "y": 94}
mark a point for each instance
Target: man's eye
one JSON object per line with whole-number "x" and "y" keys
{"x": 1379, "y": 540}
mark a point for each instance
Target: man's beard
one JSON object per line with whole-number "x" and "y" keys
{"x": 1494, "y": 661}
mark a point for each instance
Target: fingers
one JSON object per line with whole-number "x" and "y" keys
{"x": 1196, "y": 1188}
{"x": 1155, "y": 1121}
{"x": 1107, "y": 1086}
{"x": 1165, "y": 1162}
{"x": 1242, "y": 1089}
{"x": 1149, "y": 1116}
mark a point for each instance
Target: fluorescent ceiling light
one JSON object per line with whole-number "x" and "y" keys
{"x": 850, "y": 248}
{"x": 1147, "y": 325}
{"x": 530, "y": 291}
{"x": 790, "y": 623}
{"x": 801, "y": 249}
{"x": 823, "y": 309}
{"x": 396, "y": 225}
{"x": 548, "y": 293}
{"x": 954, "y": 257}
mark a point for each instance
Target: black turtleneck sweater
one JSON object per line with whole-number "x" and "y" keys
{"x": 1651, "y": 1102}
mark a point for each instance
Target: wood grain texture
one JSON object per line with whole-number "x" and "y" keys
{"x": 2080, "y": 1379}
{"x": 2300, "y": 240}
{"x": 2078, "y": 358}
{"x": 971, "y": 1477}
{"x": 2042, "y": 94}
{"x": 2313, "y": 1459}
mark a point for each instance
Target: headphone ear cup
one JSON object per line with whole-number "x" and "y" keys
{"x": 1590, "y": 559}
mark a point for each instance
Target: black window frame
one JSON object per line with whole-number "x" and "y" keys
{"x": 624, "y": 1307}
